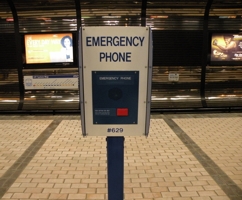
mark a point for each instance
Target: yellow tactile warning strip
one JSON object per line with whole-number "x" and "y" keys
{"x": 68, "y": 166}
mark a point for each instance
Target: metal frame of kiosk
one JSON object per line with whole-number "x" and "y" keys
{"x": 115, "y": 91}
{"x": 115, "y": 80}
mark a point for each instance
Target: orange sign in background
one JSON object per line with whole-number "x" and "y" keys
{"x": 46, "y": 48}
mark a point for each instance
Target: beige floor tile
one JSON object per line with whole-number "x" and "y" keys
{"x": 76, "y": 196}
{"x": 16, "y": 136}
{"x": 220, "y": 139}
{"x": 160, "y": 166}
{"x": 95, "y": 196}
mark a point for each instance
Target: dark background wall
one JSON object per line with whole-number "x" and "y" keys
{"x": 181, "y": 44}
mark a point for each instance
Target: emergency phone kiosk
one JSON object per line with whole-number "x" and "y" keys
{"x": 115, "y": 67}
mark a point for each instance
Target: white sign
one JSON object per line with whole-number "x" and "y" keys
{"x": 116, "y": 72}
{"x": 51, "y": 82}
{"x": 174, "y": 77}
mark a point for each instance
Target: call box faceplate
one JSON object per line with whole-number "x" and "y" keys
{"x": 115, "y": 80}
{"x": 115, "y": 97}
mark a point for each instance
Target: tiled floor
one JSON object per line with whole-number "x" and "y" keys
{"x": 185, "y": 157}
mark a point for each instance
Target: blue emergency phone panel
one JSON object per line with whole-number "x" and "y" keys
{"x": 115, "y": 97}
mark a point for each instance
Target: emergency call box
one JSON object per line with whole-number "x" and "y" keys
{"x": 119, "y": 97}
{"x": 115, "y": 65}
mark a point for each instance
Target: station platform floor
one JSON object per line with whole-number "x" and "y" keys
{"x": 185, "y": 157}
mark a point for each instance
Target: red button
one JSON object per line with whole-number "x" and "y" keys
{"x": 122, "y": 112}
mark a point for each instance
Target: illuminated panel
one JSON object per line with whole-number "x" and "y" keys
{"x": 48, "y": 48}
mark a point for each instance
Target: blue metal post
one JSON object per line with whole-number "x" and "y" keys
{"x": 115, "y": 158}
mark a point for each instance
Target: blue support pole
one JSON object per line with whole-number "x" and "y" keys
{"x": 115, "y": 167}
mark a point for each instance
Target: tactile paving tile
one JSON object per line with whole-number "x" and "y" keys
{"x": 16, "y": 136}
{"x": 220, "y": 139}
{"x": 69, "y": 166}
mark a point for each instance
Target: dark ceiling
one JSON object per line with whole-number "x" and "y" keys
{"x": 53, "y": 15}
